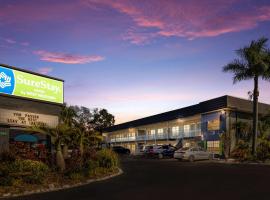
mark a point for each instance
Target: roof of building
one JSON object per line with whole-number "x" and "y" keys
{"x": 202, "y": 107}
{"x": 30, "y": 72}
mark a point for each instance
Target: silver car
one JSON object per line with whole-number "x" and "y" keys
{"x": 192, "y": 154}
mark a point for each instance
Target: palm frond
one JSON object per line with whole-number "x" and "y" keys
{"x": 235, "y": 66}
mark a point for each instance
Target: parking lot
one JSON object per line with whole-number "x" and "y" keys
{"x": 171, "y": 179}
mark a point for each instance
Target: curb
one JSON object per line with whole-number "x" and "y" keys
{"x": 63, "y": 187}
{"x": 240, "y": 163}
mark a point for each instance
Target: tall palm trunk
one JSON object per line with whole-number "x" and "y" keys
{"x": 65, "y": 151}
{"x": 255, "y": 115}
{"x": 60, "y": 162}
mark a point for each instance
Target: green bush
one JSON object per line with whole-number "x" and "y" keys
{"x": 107, "y": 158}
{"x": 5, "y": 178}
{"x": 76, "y": 176}
{"x": 263, "y": 150}
{"x": 91, "y": 167}
{"x": 241, "y": 151}
{"x": 30, "y": 171}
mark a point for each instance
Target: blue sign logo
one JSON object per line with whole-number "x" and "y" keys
{"x": 7, "y": 80}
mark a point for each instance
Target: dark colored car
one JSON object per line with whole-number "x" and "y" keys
{"x": 121, "y": 150}
{"x": 160, "y": 151}
{"x": 167, "y": 151}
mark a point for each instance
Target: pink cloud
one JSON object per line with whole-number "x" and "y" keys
{"x": 190, "y": 19}
{"x": 45, "y": 70}
{"x": 138, "y": 38}
{"x": 67, "y": 58}
{"x": 25, "y": 44}
{"x": 10, "y": 41}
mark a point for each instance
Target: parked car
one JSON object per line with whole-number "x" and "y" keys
{"x": 166, "y": 151}
{"x": 192, "y": 154}
{"x": 148, "y": 150}
{"x": 121, "y": 150}
{"x": 159, "y": 151}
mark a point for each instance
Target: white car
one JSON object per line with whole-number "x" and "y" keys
{"x": 192, "y": 154}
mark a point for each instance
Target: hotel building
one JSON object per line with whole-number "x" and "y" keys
{"x": 202, "y": 124}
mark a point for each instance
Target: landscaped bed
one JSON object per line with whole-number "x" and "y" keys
{"x": 21, "y": 177}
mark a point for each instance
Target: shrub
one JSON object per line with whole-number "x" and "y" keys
{"x": 263, "y": 150}
{"x": 76, "y": 176}
{"x": 107, "y": 158}
{"x": 91, "y": 166}
{"x": 31, "y": 171}
{"x": 74, "y": 164}
{"x": 241, "y": 151}
{"x": 5, "y": 178}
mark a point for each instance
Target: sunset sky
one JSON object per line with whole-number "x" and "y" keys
{"x": 134, "y": 57}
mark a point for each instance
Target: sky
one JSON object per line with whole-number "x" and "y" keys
{"x": 134, "y": 57}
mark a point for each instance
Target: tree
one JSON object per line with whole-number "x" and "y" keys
{"x": 253, "y": 63}
{"x": 264, "y": 126}
{"x": 85, "y": 135}
{"x": 59, "y": 135}
{"x": 242, "y": 131}
{"x": 263, "y": 147}
{"x": 101, "y": 120}
{"x": 67, "y": 115}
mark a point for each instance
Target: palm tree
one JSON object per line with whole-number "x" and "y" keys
{"x": 252, "y": 64}
{"x": 67, "y": 116}
{"x": 243, "y": 131}
{"x": 59, "y": 135}
{"x": 84, "y": 137}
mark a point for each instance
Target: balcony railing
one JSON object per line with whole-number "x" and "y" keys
{"x": 163, "y": 136}
{"x": 185, "y": 135}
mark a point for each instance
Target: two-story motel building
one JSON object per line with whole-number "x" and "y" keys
{"x": 201, "y": 123}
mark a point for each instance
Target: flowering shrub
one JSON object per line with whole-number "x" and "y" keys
{"x": 34, "y": 171}
{"x": 241, "y": 151}
{"x": 28, "y": 171}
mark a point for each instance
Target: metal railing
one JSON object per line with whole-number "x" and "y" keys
{"x": 157, "y": 136}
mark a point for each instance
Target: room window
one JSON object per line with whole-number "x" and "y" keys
{"x": 186, "y": 128}
{"x": 175, "y": 130}
{"x": 160, "y": 131}
{"x": 213, "y": 146}
{"x": 153, "y": 132}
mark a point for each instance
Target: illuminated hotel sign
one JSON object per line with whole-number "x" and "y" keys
{"x": 13, "y": 117}
{"x": 22, "y": 84}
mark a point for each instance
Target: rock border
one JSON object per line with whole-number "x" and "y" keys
{"x": 63, "y": 187}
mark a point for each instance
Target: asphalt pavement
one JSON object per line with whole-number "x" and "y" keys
{"x": 155, "y": 179}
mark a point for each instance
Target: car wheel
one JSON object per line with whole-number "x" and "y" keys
{"x": 160, "y": 155}
{"x": 191, "y": 158}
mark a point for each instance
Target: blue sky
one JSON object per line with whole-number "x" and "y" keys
{"x": 134, "y": 58}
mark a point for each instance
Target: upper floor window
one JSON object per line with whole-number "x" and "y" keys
{"x": 186, "y": 128}
{"x": 175, "y": 130}
{"x": 160, "y": 131}
{"x": 153, "y": 132}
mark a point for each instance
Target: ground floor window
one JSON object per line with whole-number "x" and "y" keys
{"x": 213, "y": 146}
